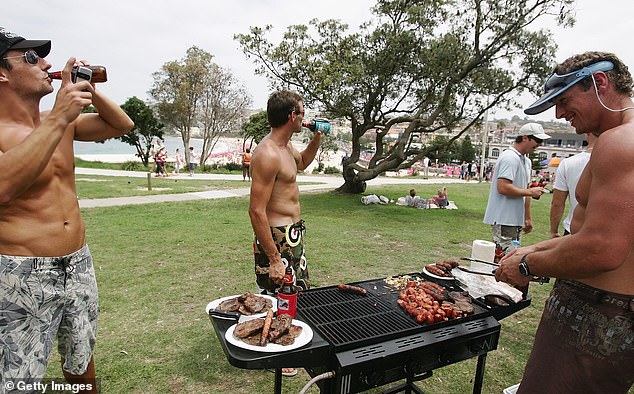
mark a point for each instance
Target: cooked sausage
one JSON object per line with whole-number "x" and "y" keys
{"x": 352, "y": 289}
{"x": 267, "y": 327}
{"x": 434, "y": 270}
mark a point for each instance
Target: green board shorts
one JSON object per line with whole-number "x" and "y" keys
{"x": 289, "y": 240}
{"x": 43, "y": 298}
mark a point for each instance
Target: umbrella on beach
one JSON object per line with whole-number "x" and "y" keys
{"x": 554, "y": 162}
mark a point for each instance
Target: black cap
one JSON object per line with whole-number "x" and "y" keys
{"x": 10, "y": 41}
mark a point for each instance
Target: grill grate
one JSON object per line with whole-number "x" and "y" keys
{"x": 348, "y": 319}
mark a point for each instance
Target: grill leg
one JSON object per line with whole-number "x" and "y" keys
{"x": 479, "y": 376}
{"x": 278, "y": 381}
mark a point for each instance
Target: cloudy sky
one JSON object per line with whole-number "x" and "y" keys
{"x": 134, "y": 38}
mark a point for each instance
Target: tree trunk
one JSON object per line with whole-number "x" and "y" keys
{"x": 352, "y": 184}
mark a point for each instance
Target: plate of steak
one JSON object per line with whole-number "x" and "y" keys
{"x": 248, "y": 305}
{"x": 285, "y": 334}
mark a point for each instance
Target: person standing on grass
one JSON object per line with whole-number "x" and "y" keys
{"x": 246, "y": 164}
{"x": 192, "y": 161}
{"x": 48, "y": 289}
{"x": 178, "y": 161}
{"x": 508, "y": 208}
{"x": 568, "y": 173}
{"x": 274, "y": 207}
{"x": 585, "y": 339}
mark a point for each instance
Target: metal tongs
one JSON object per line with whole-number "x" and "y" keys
{"x": 539, "y": 279}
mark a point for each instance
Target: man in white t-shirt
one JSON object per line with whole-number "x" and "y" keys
{"x": 508, "y": 208}
{"x": 568, "y": 174}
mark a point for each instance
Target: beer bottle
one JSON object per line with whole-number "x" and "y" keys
{"x": 318, "y": 125}
{"x": 98, "y": 74}
{"x": 287, "y": 295}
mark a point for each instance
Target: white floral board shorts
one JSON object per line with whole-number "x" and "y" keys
{"x": 43, "y": 298}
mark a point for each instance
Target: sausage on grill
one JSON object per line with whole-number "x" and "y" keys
{"x": 352, "y": 289}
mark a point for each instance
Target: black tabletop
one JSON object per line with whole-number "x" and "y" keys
{"x": 315, "y": 353}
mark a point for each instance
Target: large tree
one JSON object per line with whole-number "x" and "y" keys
{"x": 222, "y": 106}
{"x": 146, "y": 127}
{"x": 432, "y": 64}
{"x": 178, "y": 89}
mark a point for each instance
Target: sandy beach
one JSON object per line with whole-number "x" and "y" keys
{"x": 226, "y": 150}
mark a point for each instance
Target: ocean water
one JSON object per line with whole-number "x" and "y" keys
{"x": 116, "y": 147}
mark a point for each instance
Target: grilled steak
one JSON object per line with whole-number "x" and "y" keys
{"x": 255, "y": 304}
{"x": 253, "y": 339}
{"x": 289, "y": 337}
{"x": 248, "y": 328}
{"x": 280, "y": 326}
{"x": 246, "y": 304}
{"x": 230, "y": 305}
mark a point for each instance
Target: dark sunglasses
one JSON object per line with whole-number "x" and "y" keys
{"x": 30, "y": 56}
{"x": 532, "y": 137}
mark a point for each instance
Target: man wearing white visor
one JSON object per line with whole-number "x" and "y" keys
{"x": 585, "y": 340}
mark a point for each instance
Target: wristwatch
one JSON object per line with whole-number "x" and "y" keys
{"x": 523, "y": 267}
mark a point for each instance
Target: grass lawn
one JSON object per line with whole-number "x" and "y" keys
{"x": 98, "y": 186}
{"x": 158, "y": 265}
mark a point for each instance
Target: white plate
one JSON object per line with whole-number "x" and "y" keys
{"x": 215, "y": 303}
{"x": 303, "y": 338}
{"x": 437, "y": 276}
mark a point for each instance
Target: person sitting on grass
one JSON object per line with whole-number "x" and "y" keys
{"x": 442, "y": 200}
{"x": 412, "y": 200}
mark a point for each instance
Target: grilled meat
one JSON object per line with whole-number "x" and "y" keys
{"x": 230, "y": 305}
{"x": 289, "y": 338}
{"x": 248, "y": 328}
{"x": 246, "y": 304}
{"x": 280, "y": 326}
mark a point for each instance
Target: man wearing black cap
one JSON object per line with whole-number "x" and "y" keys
{"x": 585, "y": 340}
{"x": 47, "y": 281}
{"x": 508, "y": 208}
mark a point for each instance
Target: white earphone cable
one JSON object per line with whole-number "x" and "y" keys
{"x": 596, "y": 91}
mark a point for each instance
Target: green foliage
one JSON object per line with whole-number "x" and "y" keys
{"x": 408, "y": 65}
{"x": 443, "y": 149}
{"x": 467, "y": 151}
{"x": 256, "y": 128}
{"x": 146, "y": 127}
{"x": 233, "y": 166}
{"x": 131, "y": 166}
{"x": 332, "y": 170}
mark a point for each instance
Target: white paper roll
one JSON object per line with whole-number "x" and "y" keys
{"x": 483, "y": 250}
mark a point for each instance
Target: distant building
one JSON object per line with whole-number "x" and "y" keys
{"x": 560, "y": 144}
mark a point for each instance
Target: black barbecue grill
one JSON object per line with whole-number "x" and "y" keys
{"x": 370, "y": 341}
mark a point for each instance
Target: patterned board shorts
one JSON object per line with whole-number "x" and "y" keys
{"x": 584, "y": 342}
{"x": 289, "y": 240}
{"x": 505, "y": 235}
{"x": 42, "y": 298}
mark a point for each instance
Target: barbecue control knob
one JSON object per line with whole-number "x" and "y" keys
{"x": 372, "y": 378}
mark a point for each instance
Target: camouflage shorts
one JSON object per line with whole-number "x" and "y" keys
{"x": 42, "y": 298}
{"x": 289, "y": 240}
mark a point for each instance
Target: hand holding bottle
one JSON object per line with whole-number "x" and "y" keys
{"x": 71, "y": 98}
{"x": 316, "y": 125}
